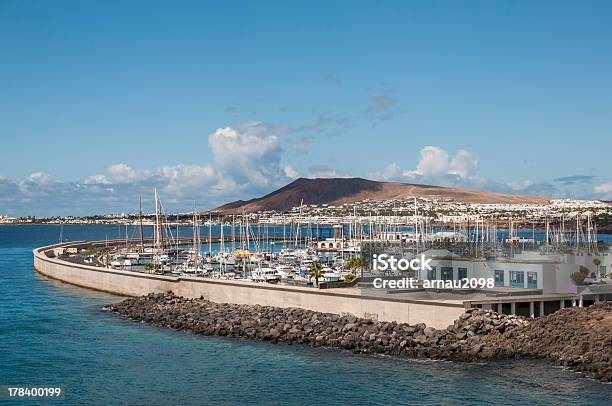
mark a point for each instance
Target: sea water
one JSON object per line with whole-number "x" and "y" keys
{"x": 54, "y": 334}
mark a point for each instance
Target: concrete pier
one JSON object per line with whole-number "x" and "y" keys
{"x": 437, "y": 314}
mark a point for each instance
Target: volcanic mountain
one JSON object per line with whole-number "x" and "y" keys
{"x": 336, "y": 191}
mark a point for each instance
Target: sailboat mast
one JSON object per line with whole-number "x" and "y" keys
{"x": 222, "y": 242}
{"x": 158, "y": 228}
{"x": 196, "y": 248}
{"x": 297, "y": 227}
{"x": 209, "y": 234}
{"x": 141, "y": 231}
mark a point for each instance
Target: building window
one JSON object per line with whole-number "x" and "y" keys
{"x": 447, "y": 273}
{"x": 461, "y": 273}
{"x": 532, "y": 280}
{"x": 431, "y": 273}
{"x": 517, "y": 279}
{"x": 499, "y": 278}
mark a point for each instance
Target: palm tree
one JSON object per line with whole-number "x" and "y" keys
{"x": 315, "y": 271}
{"x": 356, "y": 264}
{"x": 90, "y": 251}
{"x": 597, "y": 262}
{"x": 104, "y": 253}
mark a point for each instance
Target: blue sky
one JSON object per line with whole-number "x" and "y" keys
{"x": 101, "y": 101}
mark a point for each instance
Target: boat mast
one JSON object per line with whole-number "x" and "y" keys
{"x": 233, "y": 233}
{"x": 297, "y": 227}
{"x": 141, "y": 231}
{"x": 210, "y": 234}
{"x": 196, "y": 247}
{"x": 222, "y": 242}
{"x": 158, "y": 238}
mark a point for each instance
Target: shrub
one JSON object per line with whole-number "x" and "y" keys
{"x": 577, "y": 278}
{"x": 349, "y": 278}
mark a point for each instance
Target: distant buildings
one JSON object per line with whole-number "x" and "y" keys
{"x": 391, "y": 212}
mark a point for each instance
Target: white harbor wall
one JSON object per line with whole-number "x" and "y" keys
{"x": 339, "y": 301}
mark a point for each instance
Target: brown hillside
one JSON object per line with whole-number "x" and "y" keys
{"x": 349, "y": 190}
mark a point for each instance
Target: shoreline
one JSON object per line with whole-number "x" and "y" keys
{"x": 476, "y": 336}
{"x": 606, "y": 231}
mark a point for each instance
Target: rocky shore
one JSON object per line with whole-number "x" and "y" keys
{"x": 580, "y": 338}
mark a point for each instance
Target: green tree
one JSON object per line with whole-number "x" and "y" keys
{"x": 104, "y": 253}
{"x": 578, "y": 277}
{"x": 355, "y": 264}
{"x": 597, "y": 262}
{"x": 149, "y": 266}
{"x": 315, "y": 271}
{"x": 90, "y": 251}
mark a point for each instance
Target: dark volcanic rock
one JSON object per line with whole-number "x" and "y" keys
{"x": 580, "y": 338}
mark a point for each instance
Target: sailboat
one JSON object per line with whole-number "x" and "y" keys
{"x": 194, "y": 263}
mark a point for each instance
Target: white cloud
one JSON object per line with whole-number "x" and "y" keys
{"x": 124, "y": 173}
{"x": 604, "y": 190}
{"x": 185, "y": 180}
{"x": 97, "y": 180}
{"x": 436, "y": 166}
{"x": 249, "y": 154}
{"x": 290, "y": 172}
{"x": 464, "y": 164}
{"x": 247, "y": 161}
{"x": 392, "y": 172}
{"x": 37, "y": 184}
{"x": 323, "y": 171}
{"x": 518, "y": 185}
{"x": 39, "y": 178}
{"x": 433, "y": 163}
{"x": 228, "y": 144}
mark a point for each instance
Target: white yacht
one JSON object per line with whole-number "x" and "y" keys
{"x": 265, "y": 275}
{"x": 330, "y": 275}
{"x": 285, "y": 271}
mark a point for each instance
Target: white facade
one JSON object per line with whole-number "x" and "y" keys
{"x": 528, "y": 270}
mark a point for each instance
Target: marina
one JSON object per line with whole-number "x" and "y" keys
{"x": 304, "y": 252}
{"x": 528, "y": 272}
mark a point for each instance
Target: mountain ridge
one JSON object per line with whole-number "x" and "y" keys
{"x": 349, "y": 190}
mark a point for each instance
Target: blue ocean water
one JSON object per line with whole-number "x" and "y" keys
{"x": 53, "y": 334}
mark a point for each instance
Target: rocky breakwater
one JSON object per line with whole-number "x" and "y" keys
{"x": 476, "y": 335}
{"x": 575, "y": 337}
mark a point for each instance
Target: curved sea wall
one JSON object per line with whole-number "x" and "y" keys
{"x": 337, "y": 301}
